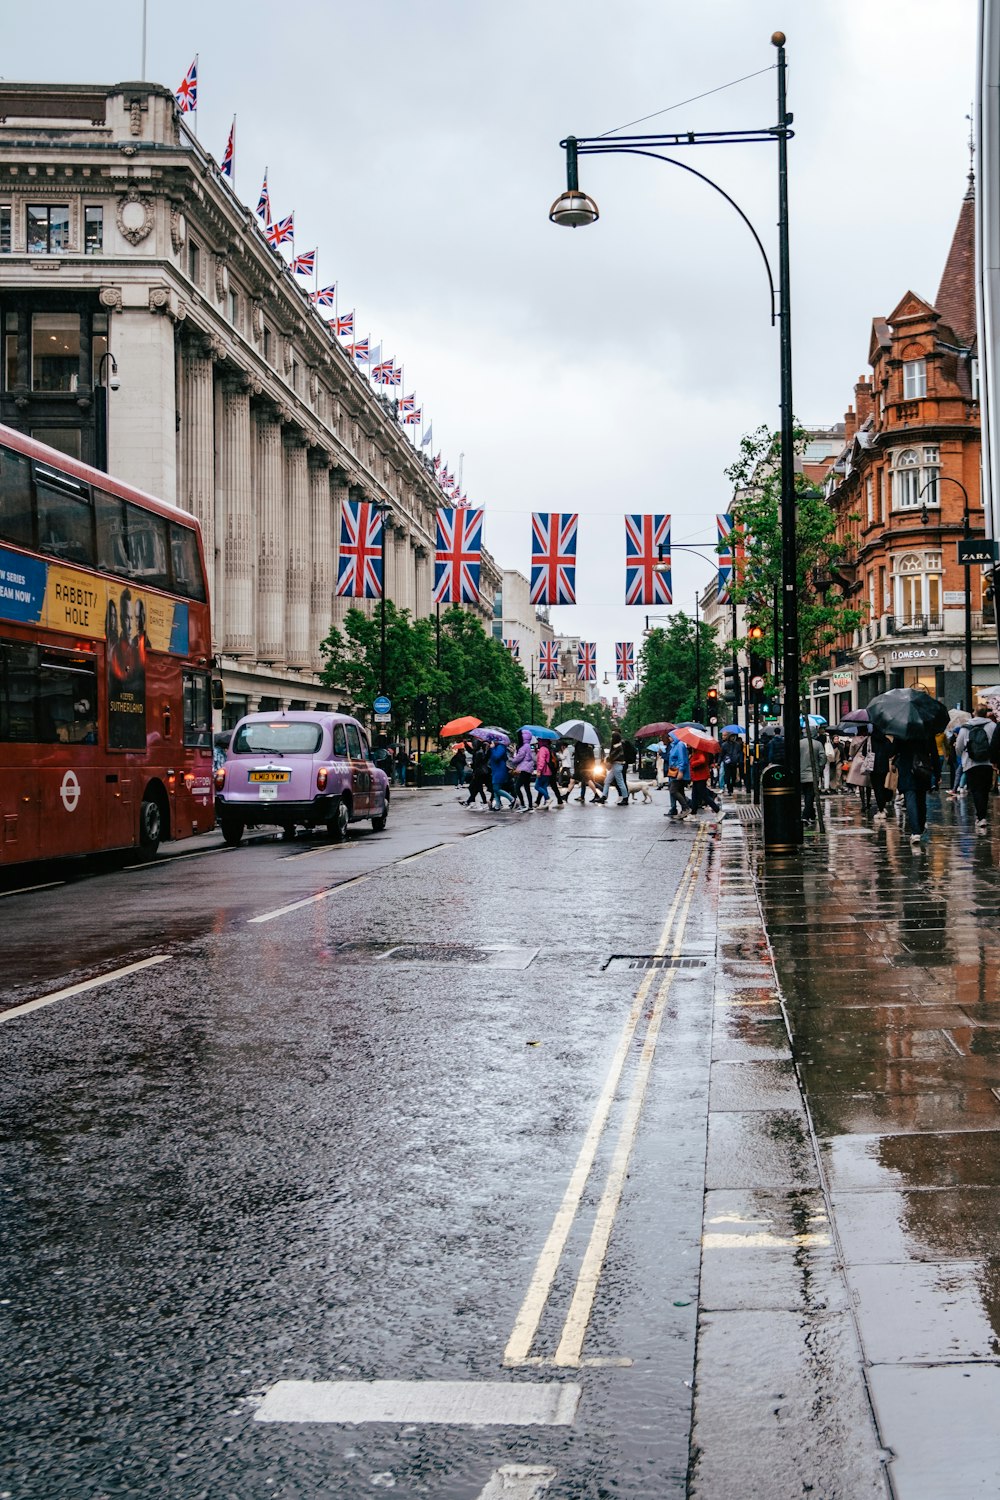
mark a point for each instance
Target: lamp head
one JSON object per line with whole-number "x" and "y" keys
{"x": 574, "y": 208}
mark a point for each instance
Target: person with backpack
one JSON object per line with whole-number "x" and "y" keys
{"x": 915, "y": 765}
{"x": 976, "y": 749}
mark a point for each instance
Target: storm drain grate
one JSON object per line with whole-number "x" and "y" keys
{"x": 743, "y": 812}
{"x": 653, "y": 961}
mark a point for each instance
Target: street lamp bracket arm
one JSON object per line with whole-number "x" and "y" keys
{"x": 627, "y": 150}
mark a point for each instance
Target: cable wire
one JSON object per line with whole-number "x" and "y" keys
{"x": 693, "y": 100}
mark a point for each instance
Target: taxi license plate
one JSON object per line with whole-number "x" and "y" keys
{"x": 257, "y": 776}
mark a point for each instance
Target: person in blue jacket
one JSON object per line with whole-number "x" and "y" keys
{"x": 499, "y": 775}
{"x": 678, "y": 775}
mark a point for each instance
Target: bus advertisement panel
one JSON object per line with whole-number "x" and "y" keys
{"x": 105, "y": 692}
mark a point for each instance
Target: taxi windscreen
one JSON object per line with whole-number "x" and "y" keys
{"x": 285, "y": 737}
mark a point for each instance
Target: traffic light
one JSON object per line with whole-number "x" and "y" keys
{"x": 755, "y": 633}
{"x": 731, "y": 679}
{"x": 712, "y": 695}
{"x": 420, "y": 707}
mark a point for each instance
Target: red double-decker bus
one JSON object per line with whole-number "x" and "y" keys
{"x": 105, "y": 662}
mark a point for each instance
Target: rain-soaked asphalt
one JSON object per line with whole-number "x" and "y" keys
{"x": 417, "y": 1109}
{"x": 359, "y": 1140}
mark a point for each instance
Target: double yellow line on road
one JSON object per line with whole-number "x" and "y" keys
{"x": 570, "y": 1348}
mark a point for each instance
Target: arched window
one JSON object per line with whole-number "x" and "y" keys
{"x": 917, "y": 586}
{"x": 915, "y": 477}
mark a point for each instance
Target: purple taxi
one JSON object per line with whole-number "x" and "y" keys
{"x": 290, "y": 770}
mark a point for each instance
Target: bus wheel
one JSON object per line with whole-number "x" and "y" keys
{"x": 150, "y": 826}
{"x": 232, "y": 831}
{"x": 337, "y": 826}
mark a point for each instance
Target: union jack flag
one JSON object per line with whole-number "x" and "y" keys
{"x": 647, "y": 543}
{"x": 413, "y": 418}
{"x": 586, "y": 661}
{"x": 437, "y": 461}
{"x": 264, "y": 201}
{"x": 359, "y": 351}
{"x": 513, "y": 646}
{"x": 625, "y": 661}
{"x": 345, "y": 325}
{"x": 724, "y": 525}
{"x": 458, "y": 557}
{"x": 228, "y": 164}
{"x": 325, "y": 297}
{"x": 359, "y": 567}
{"x": 553, "y": 558}
{"x": 548, "y": 660}
{"x": 462, "y": 501}
{"x": 303, "y": 265}
{"x": 280, "y": 231}
{"x": 187, "y": 93}
{"x": 407, "y": 403}
{"x": 394, "y": 375}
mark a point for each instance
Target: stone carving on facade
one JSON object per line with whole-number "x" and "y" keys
{"x": 111, "y": 298}
{"x": 135, "y": 117}
{"x": 256, "y": 319}
{"x": 159, "y": 299}
{"x": 178, "y": 228}
{"x": 221, "y": 277}
{"x": 134, "y": 215}
{"x": 215, "y": 349}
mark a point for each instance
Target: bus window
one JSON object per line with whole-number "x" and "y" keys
{"x": 47, "y": 697}
{"x": 65, "y": 527}
{"x": 16, "y": 518}
{"x": 186, "y": 563}
{"x": 112, "y": 554}
{"x": 146, "y": 537}
{"x": 197, "y": 710}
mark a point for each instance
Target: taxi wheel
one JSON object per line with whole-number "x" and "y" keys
{"x": 337, "y": 825}
{"x": 232, "y": 831}
{"x": 288, "y": 832}
{"x": 379, "y": 823}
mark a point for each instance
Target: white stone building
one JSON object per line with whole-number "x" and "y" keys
{"x": 149, "y": 328}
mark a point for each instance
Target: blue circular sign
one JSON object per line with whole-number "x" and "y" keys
{"x": 382, "y": 705}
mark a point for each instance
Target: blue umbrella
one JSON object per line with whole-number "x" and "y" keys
{"x": 538, "y": 733}
{"x": 690, "y": 724}
{"x": 733, "y": 729}
{"x": 655, "y": 748}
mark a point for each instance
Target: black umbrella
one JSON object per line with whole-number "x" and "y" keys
{"x": 908, "y": 714}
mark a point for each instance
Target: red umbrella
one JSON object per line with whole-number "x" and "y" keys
{"x": 459, "y": 726}
{"x": 696, "y": 741}
{"x": 653, "y": 731}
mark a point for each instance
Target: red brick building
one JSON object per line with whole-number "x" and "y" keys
{"x": 909, "y": 467}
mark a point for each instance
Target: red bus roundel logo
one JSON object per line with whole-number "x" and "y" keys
{"x": 69, "y": 791}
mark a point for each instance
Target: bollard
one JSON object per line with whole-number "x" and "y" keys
{"x": 781, "y": 812}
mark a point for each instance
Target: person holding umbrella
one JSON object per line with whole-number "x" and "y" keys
{"x": 479, "y": 776}
{"x": 678, "y": 775}
{"x": 732, "y": 760}
{"x": 911, "y": 718}
{"x": 523, "y": 767}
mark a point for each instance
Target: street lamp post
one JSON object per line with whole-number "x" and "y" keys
{"x": 574, "y": 209}
{"x": 966, "y": 537}
{"x": 105, "y": 383}
{"x": 382, "y": 506}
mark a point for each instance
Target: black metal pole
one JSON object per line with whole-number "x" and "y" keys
{"x": 697, "y": 663}
{"x": 789, "y": 561}
{"x": 736, "y": 675}
{"x": 382, "y": 613}
{"x": 967, "y": 705}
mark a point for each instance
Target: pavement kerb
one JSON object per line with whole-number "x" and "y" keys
{"x": 781, "y": 1403}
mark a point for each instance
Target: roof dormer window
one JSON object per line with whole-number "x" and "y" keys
{"x": 914, "y": 379}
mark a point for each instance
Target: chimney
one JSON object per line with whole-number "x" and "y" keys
{"x": 850, "y": 424}
{"x": 863, "y": 400}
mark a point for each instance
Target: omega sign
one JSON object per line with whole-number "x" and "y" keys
{"x": 918, "y": 653}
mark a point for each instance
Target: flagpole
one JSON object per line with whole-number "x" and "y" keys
{"x": 197, "y": 74}
{"x": 232, "y": 169}
{"x": 142, "y": 71}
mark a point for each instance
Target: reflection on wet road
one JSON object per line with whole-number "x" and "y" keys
{"x": 325, "y": 1149}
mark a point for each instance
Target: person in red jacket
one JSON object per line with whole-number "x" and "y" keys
{"x": 701, "y": 791}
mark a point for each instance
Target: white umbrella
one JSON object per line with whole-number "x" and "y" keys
{"x": 579, "y": 730}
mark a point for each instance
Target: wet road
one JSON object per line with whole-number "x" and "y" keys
{"x": 415, "y": 1109}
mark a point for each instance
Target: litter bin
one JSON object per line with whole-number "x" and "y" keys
{"x": 780, "y": 811}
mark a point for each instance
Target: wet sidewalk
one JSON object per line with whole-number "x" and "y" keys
{"x": 885, "y": 1165}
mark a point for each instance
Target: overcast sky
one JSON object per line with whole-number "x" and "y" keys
{"x": 602, "y": 370}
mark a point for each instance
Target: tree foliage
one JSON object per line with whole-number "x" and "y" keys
{"x": 477, "y": 674}
{"x": 668, "y": 670}
{"x": 824, "y": 611}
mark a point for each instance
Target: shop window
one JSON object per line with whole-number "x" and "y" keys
{"x": 93, "y": 229}
{"x": 68, "y": 440}
{"x": 11, "y": 327}
{"x": 55, "y": 351}
{"x": 5, "y": 229}
{"x": 48, "y": 228}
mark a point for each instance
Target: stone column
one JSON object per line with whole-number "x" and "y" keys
{"x": 239, "y": 548}
{"x": 297, "y": 642}
{"x": 272, "y": 550}
{"x": 424, "y": 565}
{"x": 321, "y": 549}
{"x": 197, "y": 487}
{"x": 338, "y": 491}
{"x": 398, "y": 544}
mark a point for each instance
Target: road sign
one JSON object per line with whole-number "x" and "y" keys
{"x": 757, "y": 683}
{"x": 977, "y": 549}
{"x": 382, "y": 705}
{"x": 383, "y": 718}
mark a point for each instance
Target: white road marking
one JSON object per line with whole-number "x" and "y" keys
{"x": 282, "y": 911}
{"x": 575, "y": 1328}
{"x": 79, "y": 989}
{"x": 22, "y": 890}
{"x": 518, "y": 1482}
{"x": 526, "y": 1325}
{"x": 459, "y": 1403}
{"x": 422, "y": 853}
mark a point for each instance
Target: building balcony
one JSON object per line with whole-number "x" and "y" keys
{"x": 896, "y": 625}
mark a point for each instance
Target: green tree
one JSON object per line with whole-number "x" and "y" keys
{"x": 353, "y": 661}
{"x": 669, "y": 672}
{"x": 479, "y": 676}
{"x": 824, "y": 611}
{"x": 591, "y": 713}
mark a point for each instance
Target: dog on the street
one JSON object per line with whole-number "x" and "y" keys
{"x": 638, "y": 789}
